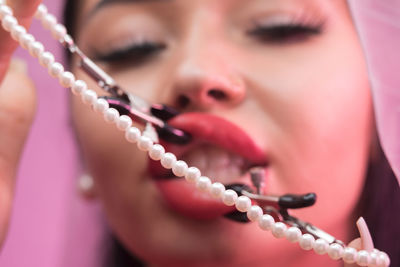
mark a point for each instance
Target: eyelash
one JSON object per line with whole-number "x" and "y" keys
{"x": 133, "y": 54}
{"x": 278, "y": 34}
{"x": 285, "y": 33}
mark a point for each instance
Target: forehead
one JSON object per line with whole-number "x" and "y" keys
{"x": 89, "y": 8}
{"x": 91, "y": 5}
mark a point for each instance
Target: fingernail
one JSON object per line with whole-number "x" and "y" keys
{"x": 18, "y": 65}
{"x": 366, "y": 239}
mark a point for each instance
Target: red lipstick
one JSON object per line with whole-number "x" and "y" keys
{"x": 183, "y": 197}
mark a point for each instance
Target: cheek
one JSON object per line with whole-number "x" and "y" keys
{"x": 113, "y": 161}
{"x": 318, "y": 116}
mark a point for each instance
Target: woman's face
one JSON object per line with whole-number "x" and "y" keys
{"x": 290, "y": 74}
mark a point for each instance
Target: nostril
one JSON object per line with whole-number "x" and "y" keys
{"x": 217, "y": 94}
{"x": 183, "y": 101}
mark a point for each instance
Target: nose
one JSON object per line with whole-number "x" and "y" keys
{"x": 203, "y": 83}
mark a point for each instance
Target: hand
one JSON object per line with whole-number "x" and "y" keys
{"x": 364, "y": 242}
{"x": 17, "y": 107}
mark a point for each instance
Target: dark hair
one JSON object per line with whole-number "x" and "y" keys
{"x": 380, "y": 206}
{"x": 379, "y": 203}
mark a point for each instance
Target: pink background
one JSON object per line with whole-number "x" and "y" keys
{"x": 50, "y": 225}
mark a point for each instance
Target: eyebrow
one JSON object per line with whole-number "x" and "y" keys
{"x": 104, "y": 3}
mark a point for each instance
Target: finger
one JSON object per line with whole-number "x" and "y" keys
{"x": 24, "y": 8}
{"x": 24, "y": 11}
{"x": 366, "y": 239}
{"x": 17, "y": 106}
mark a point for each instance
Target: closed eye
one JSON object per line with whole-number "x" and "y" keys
{"x": 133, "y": 54}
{"x": 284, "y": 34}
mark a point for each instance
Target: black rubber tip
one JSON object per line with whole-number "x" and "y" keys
{"x": 238, "y": 188}
{"x": 237, "y": 216}
{"x": 163, "y": 112}
{"x": 291, "y": 201}
{"x": 173, "y": 135}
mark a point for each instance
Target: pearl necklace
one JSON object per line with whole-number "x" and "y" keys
{"x": 168, "y": 160}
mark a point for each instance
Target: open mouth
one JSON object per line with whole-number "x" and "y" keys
{"x": 221, "y": 150}
{"x": 213, "y": 161}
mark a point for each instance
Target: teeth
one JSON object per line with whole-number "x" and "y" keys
{"x": 216, "y": 163}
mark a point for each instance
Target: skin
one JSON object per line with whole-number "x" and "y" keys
{"x": 310, "y": 98}
{"x": 17, "y": 109}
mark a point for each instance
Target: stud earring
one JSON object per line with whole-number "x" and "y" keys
{"x": 86, "y": 186}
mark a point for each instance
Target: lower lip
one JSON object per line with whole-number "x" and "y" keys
{"x": 185, "y": 199}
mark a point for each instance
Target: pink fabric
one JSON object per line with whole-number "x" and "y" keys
{"x": 378, "y": 22}
{"x": 50, "y": 225}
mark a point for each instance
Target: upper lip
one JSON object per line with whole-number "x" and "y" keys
{"x": 211, "y": 129}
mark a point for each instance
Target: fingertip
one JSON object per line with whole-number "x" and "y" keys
{"x": 366, "y": 238}
{"x": 24, "y": 9}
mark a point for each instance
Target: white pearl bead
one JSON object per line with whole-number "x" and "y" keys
{"x": 89, "y": 97}
{"x": 180, "y": 168}
{"x": 124, "y": 122}
{"x": 26, "y": 39}
{"x": 383, "y": 259}
{"x": 5, "y": 11}
{"x": 229, "y": 197}
{"x": 217, "y": 190}
{"x": 41, "y": 12}
{"x": 293, "y": 234}
{"x": 335, "y": 251}
{"x": 8, "y": 22}
{"x": 254, "y": 213}
{"x": 156, "y": 152}
{"x": 13, "y": 28}
{"x": 243, "y": 204}
{"x": 110, "y": 115}
{"x": 132, "y": 134}
{"x": 306, "y": 241}
{"x": 349, "y": 255}
{"x": 373, "y": 259}
{"x": 192, "y": 175}
{"x": 279, "y": 229}
{"x": 58, "y": 32}
{"x": 79, "y": 87}
{"x": 203, "y": 184}
{"x": 266, "y": 222}
{"x": 362, "y": 258}
{"x": 49, "y": 21}
{"x": 55, "y": 69}
{"x": 168, "y": 160}
{"x": 321, "y": 246}
{"x": 144, "y": 143}
{"x": 380, "y": 261}
{"x": 67, "y": 79}
{"x": 35, "y": 49}
{"x": 17, "y": 32}
{"x": 46, "y": 58}
{"x": 101, "y": 105}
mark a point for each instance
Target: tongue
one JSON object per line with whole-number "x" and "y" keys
{"x": 184, "y": 198}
